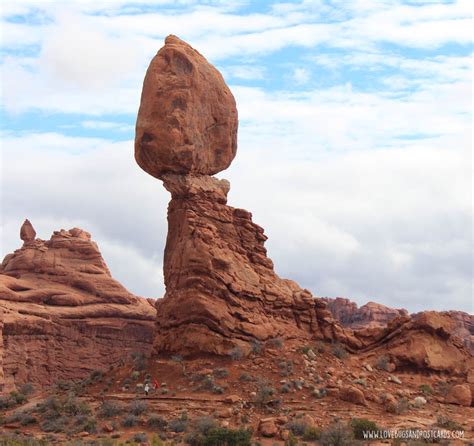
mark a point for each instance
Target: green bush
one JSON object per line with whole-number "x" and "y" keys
{"x": 382, "y": 362}
{"x": 140, "y": 437}
{"x": 264, "y": 392}
{"x": 297, "y": 427}
{"x": 256, "y": 347}
{"x": 221, "y": 436}
{"x": 361, "y": 425}
{"x": 236, "y": 353}
{"x": 220, "y": 372}
{"x": 130, "y": 421}
{"x": 178, "y": 425}
{"x": 137, "y": 407}
{"x": 157, "y": 422}
{"x": 275, "y": 343}
{"x": 291, "y": 440}
{"x": 311, "y": 434}
{"x": 337, "y": 434}
{"x": 109, "y": 409}
{"x": 245, "y": 377}
{"x": 447, "y": 423}
{"x": 339, "y": 351}
{"x": 426, "y": 389}
{"x": 56, "y": 424}
{"x": 27, "y": 389}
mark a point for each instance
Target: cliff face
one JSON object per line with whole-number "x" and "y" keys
{"x": 222, "y": 291}
{"x": 63, "y": 315}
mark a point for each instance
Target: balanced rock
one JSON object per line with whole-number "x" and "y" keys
{"x": 187, "y": 121}
{"x": 27, "y": 232}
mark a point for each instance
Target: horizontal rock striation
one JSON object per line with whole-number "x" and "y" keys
{"x": 63, "y": 315}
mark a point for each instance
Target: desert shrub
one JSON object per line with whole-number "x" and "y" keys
{"x": 130, "y": 420}
{"x": 135, "y": 375}
{"x": 178, "y": 425}
{"x": 285, "y": 388}
{"x": 275, "y": 343}
{"x": 320, "y": 347}
{"x": 18, "y": 398}
{"x": 361, "y": 425}
{"x": 382, "y": 362}
{"x": 426, "y": 389}
{"x": 21, "y": 440}
{"x": 297, "y": 427}
{"x": 56, "y": 424}
{"x": 137, "y": 407}
{"x": 236, "y": 353}
{"x": 447, "y": 423}
{"x": 157, "y": 422}
{"x": 443, "y": 388}
{"x": 265, "y": 392}
{"x": 27, "y": 389}
{"x": 337, "y": 434}
{"x": 245, "y": 377}
{"x": 256, "y": 347}
{"x": 402, "y": 406}
{"x": 311, "y": 434}
{"x": 286, "y": 367}
{"x": 27, "y": 419}
{"x": 291, "y": 440}
{"x": 73, "y": 406}
{"x": 305, "y": 349}
{"x": 338, "y": 350}
{"x": 140, "y": 437}
{"x": 96, "y": 376}
{"x": 139, "y": 360}
{"x": 220, "y": 372}
{"x": 204, "y": 424}
{"x": 83, "y": 423}
{"x": 109, "y": 409}
{"x": 221, "y": 436}
{"x": 218, "y": 390}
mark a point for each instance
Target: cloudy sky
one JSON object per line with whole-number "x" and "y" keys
{"x": 354, "y": 139}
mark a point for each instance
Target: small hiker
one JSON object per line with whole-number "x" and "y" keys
{"x": 147, "y": 389}
{"x": 156, "y": 384}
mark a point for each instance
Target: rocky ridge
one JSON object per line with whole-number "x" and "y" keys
{"x": 63, "y": 315}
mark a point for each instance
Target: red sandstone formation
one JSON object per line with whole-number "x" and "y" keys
{"x": 425, "y": 342}
{"x": 373, "y": 315}
{"x": 369, "y": 315}
{"x": 63, "y": 315}
{"x": 187, "y": 122}
{"x": 221, "y": 290}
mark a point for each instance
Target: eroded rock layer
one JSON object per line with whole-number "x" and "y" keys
{"x": 222, "y": 291}
{"x": 63, "y": 315}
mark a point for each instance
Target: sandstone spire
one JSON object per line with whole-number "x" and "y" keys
{"x": 221, "y": 289}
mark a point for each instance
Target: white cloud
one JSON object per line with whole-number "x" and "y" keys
{"x": 301, "y": 75}
{"x": 363, "y": 192}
